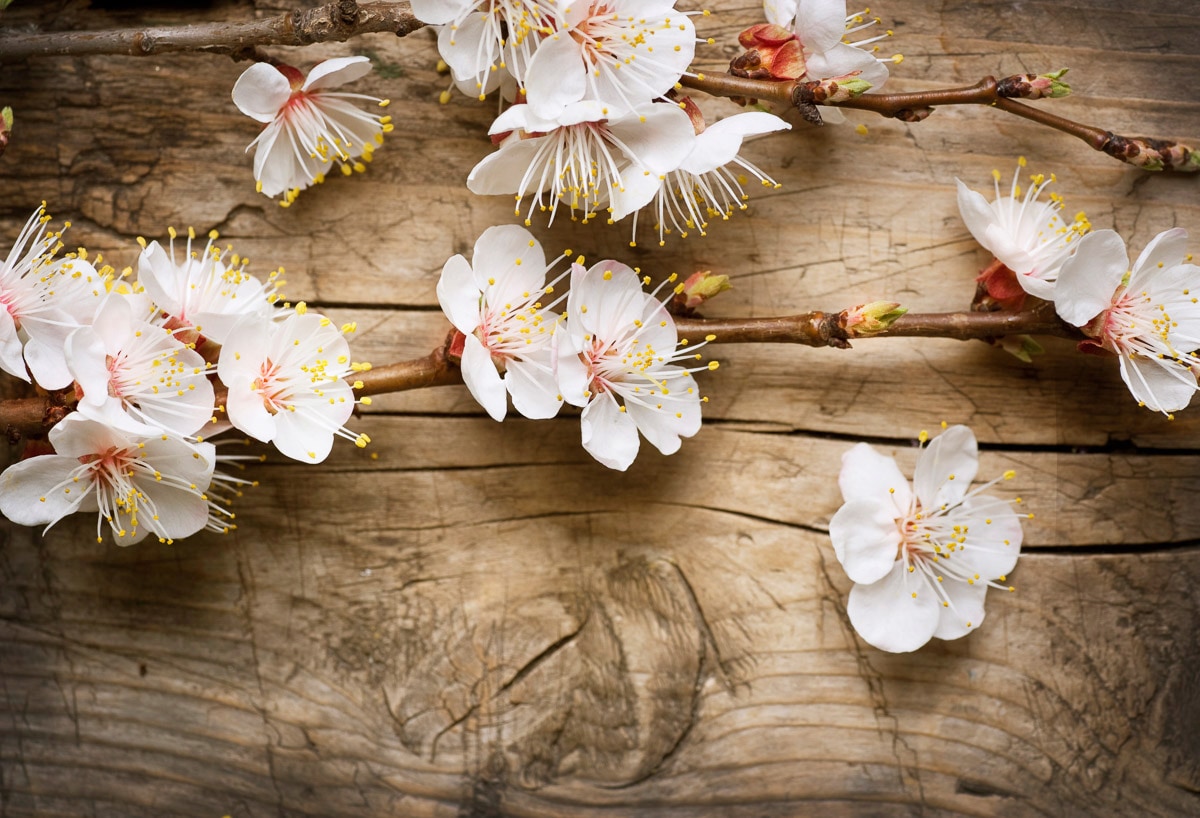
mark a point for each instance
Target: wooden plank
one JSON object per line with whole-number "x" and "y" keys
{"x": 681, "y": 659}
{"x": 475, "y": 619}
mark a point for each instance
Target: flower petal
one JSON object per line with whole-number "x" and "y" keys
{"x": 964, "y": 612}
{"x": 780, "y": 12}
{"x": 482, "y": 379}
{"x": 1167, "y": 249}
{"x": 261, "y": 91}
{"x": 1162, "y": 385}
{"x": 720, "y": 142}
{"x": 458, "y": 294}
{"x": 868, "y": 475}
{"x": 556, "y": 75}
{"x": 573, "y": 376}
{"x": 887, "y": 614}
{"x": 335, "y": 72}
{"x": 977, "y": 214}
{"x": 657, "y": 137}
{"x": 30, "y": 492}
{"x": 820, "y": 24}
{"x": 247, "y": 412}
{"x": 1088, "y": 279}
{"x": 509, "y": 264}
{"x": 608, "y": 434}
{"x": 865, "y": 539}
{"x": 946, "y": 468}
{"x": 664, "y": 427}
{"x": 535, "y": 392}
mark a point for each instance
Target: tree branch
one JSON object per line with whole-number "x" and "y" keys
{"x": 36, "y": 415}
{"x": 1144, "y": 152}
{"x": 332, "y": 22}
{"x": 822, "y": 329}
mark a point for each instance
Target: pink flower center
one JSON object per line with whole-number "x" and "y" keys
{"x": 274, "y": 395}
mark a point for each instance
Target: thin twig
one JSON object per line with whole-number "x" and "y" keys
{"x": 1145, "y": 152}
{"x": 823, "y": 329}
{"x": 332, "y": 22}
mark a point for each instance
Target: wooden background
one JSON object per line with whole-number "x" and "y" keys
{"x": 482, "y": 621}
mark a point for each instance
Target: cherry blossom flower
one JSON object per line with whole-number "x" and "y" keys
{"x": 1149, "y": 316}
{"x": 582, "y": 159}
{"x": 139, "y": 485}
{"x": 1026, "y": 235}
{"x": 921, "y": 558}
{"x": 135, "y": 375}
{"x": 307, "y": 125}
{"x": 821, "y": 27}
{"x": 619, "y": 361}
{"x": 286, "y": 386}
{"x": 708, "y": 184}
{"x": 43, "y": 300}
{"x": 484, "y": 40}
{"x": 205, "y": 293}
{"x": 495, "y": 301}
{"x": 623, "y": 52}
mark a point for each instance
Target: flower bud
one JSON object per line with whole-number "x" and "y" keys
{"x": 698, "y": 288}
{"x": 6, "y": 122}
{"x": 869, "y": 319}
{"x": 772, "y": 52}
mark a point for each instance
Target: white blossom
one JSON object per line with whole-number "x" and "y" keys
{"x": 139, "y": 485}
{"x": 42, "y": 300}
{"x": 135, "y": 375}
{"x": 496, "y": 302}
{"x": 625, "y": 53}
{"x": 203, "y": 294}
{"x": 1025, "y": 234}
{"x": 286, "y": 383}
{"x": 584, "y": 160}
{"x": 1148, "y": 315}
{"x": 921, "y": 558}
{"x": 483, "y": 41}
{"x": 307, "y": 125}
{"x": 619, "y": 360}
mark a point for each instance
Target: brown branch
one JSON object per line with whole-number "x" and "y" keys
{"x": 820, "y": 329}
{"x": 36, "y": 415}
{"x": 333, "y": 22}
{"x": 1144, "y": 152}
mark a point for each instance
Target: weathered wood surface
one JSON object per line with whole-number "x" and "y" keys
{"x": 482, "y": 621}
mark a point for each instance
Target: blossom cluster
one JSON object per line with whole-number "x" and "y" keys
{"x": 596, "y": 124}
{"x": 614, "y": 350}
{"x": 155, "y": 366}
{"x": 1145, "y": 314}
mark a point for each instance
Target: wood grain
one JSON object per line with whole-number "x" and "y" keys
{"x": 475, "y": 619}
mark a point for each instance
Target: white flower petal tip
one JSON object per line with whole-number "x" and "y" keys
{"x": 922, "y": 559}
{"x": 1148, "y": 315}
{"x": 503, "y": 305}
{"x": 623, "y": 362}
{"x": 1023, "y": 232}
{"x": 307, "y": 126}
